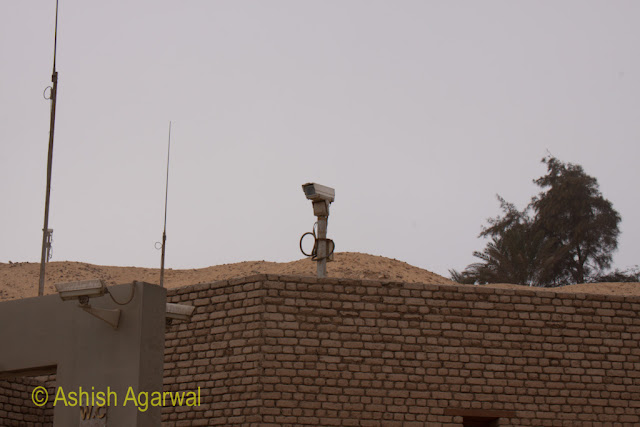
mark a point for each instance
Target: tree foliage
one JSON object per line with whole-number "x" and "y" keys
{"x": 580, "y": 225}
{"x": 628, "y": 275}
{"x": 511, "y": 254}
{"x": 567, "y": 234}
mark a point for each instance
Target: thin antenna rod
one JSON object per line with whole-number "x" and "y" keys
{"x": 55, "y": 39}
{"x": 166, "y": 197}
{"x": 46, "y": 233}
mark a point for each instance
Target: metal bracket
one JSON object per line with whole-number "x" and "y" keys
{"x": 111, "y": 316}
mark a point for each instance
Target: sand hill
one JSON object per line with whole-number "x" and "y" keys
{"x": 20, "y": 280}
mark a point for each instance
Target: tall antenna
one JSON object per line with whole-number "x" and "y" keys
{"x": 46, "y": 232}
{"x": 166, "y": 196}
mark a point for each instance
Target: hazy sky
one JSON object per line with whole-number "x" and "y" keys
{"x": 417, "y": 112}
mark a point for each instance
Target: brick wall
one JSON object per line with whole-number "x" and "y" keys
{"x": 220, "y": 351}
{"x": 16, "y": 407}
{"x": 305, "y": 351}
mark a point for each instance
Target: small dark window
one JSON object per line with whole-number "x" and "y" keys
{"x": 480, "y": 421}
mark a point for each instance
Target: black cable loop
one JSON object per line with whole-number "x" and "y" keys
{"x": 314, "y": 244}
{"x": 133, "y": 290}
{"x": 333, "y": 247}
{"x": 314, "y": 251}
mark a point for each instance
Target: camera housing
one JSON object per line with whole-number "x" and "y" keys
{"x": 82, "y": 289}
{"x": 179, "y": 312}
{"x": 316, "y": 192}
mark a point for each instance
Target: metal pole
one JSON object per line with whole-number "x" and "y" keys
{"x": 52, "y": 121}
{"x": 166, "y": 196}
{"x": 322, "y": 246}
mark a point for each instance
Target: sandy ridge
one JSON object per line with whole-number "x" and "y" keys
{"x": 20, "y": 280}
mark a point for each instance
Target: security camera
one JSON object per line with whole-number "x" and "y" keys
{"x": 321, "y": 197}
{"x": 85, "y": 289}
{"x": 81, "y": 290}
{"x": 316, "y": 192}
{"x": 179, "y": 312}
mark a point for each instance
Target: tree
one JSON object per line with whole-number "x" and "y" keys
{"x": 580, "y": 226}
{"x": 628, "y": 275}
{"x": 511, "y": 255}
{"x": 571, "y": 235}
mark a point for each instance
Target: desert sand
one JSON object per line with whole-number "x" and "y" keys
{"x": 20, "y": 280}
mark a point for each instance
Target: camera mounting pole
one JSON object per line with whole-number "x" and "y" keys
{"x": 321, "y": 197}
{"x": 321, "y": 210}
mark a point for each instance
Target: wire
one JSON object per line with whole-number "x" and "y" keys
{"x": 314, "y": 251}
{"x": 133, "y": 291}
{"x": 314, "y": 244}
{"x": 333, "y": 247}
